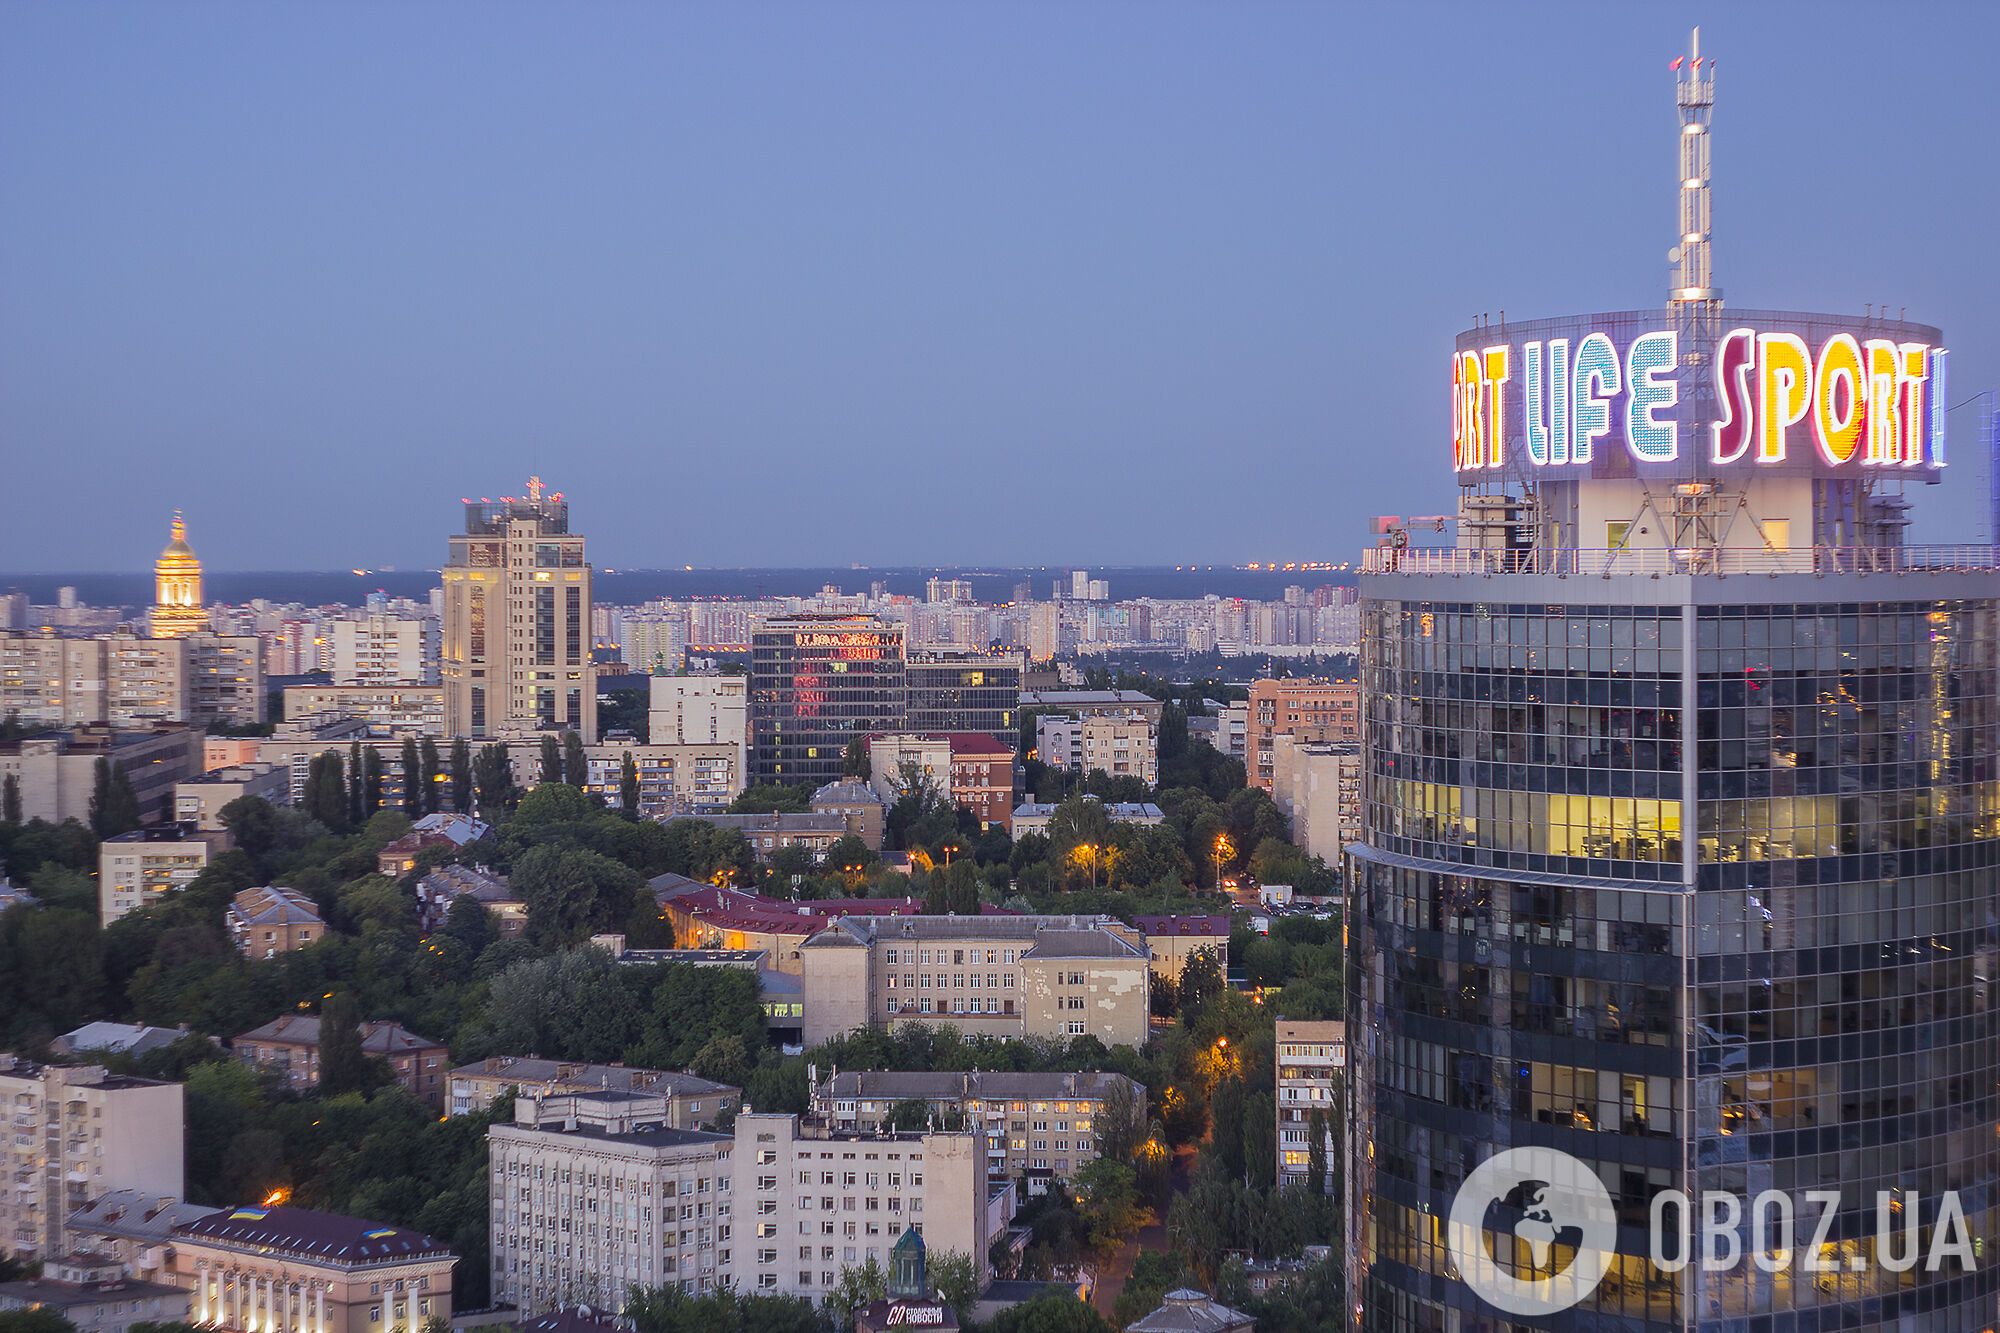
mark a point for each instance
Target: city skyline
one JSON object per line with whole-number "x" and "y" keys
{"x": 918, "y": 226}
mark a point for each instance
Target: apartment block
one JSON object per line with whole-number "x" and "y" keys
{"x": 688, "y": 1102}
{"x": 225, "y": 675}
{"x": 1057, "y": 977}
{"x": 77, "y": 1132}
{"x": 1312, "y": 1059}
{"x": 1174, "y": 939}
{"x": 970, "y": 767}
{"x": 1308, "y": 707}
{"x": 200, "y": 801}
{"x": 1038, "y": 1127}
{"x": 95, "y": 1295}
{"x": 289, "y": 1046}
{"x": 1318, "y": 786}
{"x": 137, "y": 869}
{"x": 674, "y": 779}
{"x": 398, "y": 709}
{"x": 57, "y": 770}
{"x": 1121, "y": 747}
{"x": 384, "y": 650}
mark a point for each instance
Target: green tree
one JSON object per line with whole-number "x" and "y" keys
{"x": 114, "y": 807}
{"x": 371, "y": 781}
{"x": 857, "y": 1286}
{"x": 1201, "y": 981}
{"x": 1108, "y": 1202}
{"x": 1316, "y": 1152}
{"x": 427, "y": 775}
{"x": 37, "y": 1319}
{"x": 576, "y": 765}
{"x": 768, "y": 797}
{"x": 855, "y": 762}
{"x": 957, "y": 1280}
{"x": 1225, "y": 1118}
{"x": 10, "y": 799}
{"x": 628, "y": 787}
{"x": 1154, "y": 1274}
{"x": 1054, "y": 1311}
{"x": 413, "y": 786}
{"x": 461, "y": 775}
{"x": 1260, "y": 1137}
{"x": 551, "y": 759}
{"x": 343, "y": 1065}
{"x": 357, "y": 791}
{"x": 493, "y": 775}
{"x": 572, "y": 893}
{"x": 326, "y": 792}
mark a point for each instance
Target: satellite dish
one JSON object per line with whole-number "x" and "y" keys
{"x": 1673, "y": 254}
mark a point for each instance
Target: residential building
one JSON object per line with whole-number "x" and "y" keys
{"x": 964, "y": 689}
{"x": 199, "y": 801}
{"x": 268, "y": 921}
{"x": 445, "y": 829}
{"x": 446, "y": 884}
{"x": 1057, "y": 977}
{"x": 1318, "y": 786}
{"x": 773, "y": 831}
{"x": 1174, "y": 939}
{"x": 674, "y": 779}
{"x": 13, "y": 895}
{"x": 859, "y": 808}
{"x": 517, "y": 592}
{"x": 57, "y": 770}
{"x": 381, "y": 649}
{"x": 699, "y": 710}
{"x": 937, "y": 589}
{"x": 1120, "y": 747}
{"x": 1312, "y": 1060}
{"x": 137, "y": 869}
{"x": 1232, "y": 730}
{"x": 655, "y": 643}
{"x": 225, "y": 679}
{"x": 818, "y": 682}
{"x": 970, "y": 767}
{"x": 290, "y": 1046}
{"x": 1044, "y": 632}
{"x": 281, "y": 1269}
{"x": 1034, "y": 816}
{"x": 227, "y": 752}
{"x": 177, "y": 603}
{"x": 78, "y": 1132}
{"x": 594, "y": 1193}
{"x": 146, "y": 681}
{"x": 687, "y": 1102}
{"x": 1307, "y": 707}
{"x": 95, "y": 1295}
{"x": 294, "y": 743}
{"x": 398, "y": 710}
{"x": 1038, "y": 1126}
{"x": 51, "y": 682}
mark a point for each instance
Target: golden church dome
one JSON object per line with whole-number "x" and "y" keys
{"x": 177, "y": 601}
{"x": 178, "y": 555}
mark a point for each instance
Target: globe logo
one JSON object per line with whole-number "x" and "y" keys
{"x": 1532, "y": 1231}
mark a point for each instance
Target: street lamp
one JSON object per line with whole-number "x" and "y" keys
{"x": 1222, "y": 849}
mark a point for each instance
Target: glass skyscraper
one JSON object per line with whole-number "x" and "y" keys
{"x": 1681, "y": 807}
{"x": 818, "y": 682}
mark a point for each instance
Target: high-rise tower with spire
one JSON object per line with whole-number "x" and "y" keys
{"x": 177, "y": 605}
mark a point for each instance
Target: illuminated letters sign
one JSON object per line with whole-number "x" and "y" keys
{"x": 930, "y": 1316}
{"x": 1853, "y": 401}
{"x": 847, "y": 640}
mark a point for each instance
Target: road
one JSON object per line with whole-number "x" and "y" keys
{"x": 1114, "y": 1272}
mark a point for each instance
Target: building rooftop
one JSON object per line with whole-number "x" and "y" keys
{"x": 70, "y": 1295}
{"x": 172, "y": 831}
{"x": 848, "y": 792}
{"x": 1082, "y": 944}
{"x": 131, "y": 1215}
{"x": 274, "y": 906}
{"x": 991, "y": 1084}
{"x": 477, "y": 882}
{"x": 1210, "y": 927}
{"x": 118, "y": 1038}
{"x": 576, "y": 1319}
{"x": 327, "y": 1237}
{"x": 1117, "y": 811}
{"x": 529, "y": 1070}
{"x": 779, "y": 821}
{"x": 848, "y": 930}
{"x": 961, "y": 742}
{"x": 1086, "y": 698}
{"x": 1186, "y": 1310}
{"x": 379, "y": 1037}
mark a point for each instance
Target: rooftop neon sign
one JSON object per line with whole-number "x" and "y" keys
{"x": 1563, "y": 401}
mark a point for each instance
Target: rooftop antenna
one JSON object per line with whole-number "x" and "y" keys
{"x": 1694, "y": 93}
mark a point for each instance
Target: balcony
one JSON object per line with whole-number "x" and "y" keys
{"x": 1718, "y": 561}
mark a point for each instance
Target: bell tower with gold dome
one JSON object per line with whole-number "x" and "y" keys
{"x": 177, "y": 604}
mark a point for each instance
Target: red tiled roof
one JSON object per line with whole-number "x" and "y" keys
{"x": 1205, "y": 926}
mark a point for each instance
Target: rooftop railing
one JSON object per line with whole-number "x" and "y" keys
{"x": 1713, "y": 560}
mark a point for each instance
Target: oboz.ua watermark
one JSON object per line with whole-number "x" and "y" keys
{"x": 1565, "y": 1231}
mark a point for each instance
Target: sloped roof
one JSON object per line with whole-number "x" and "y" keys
{"x": 1210, "y": 926}
{"x": 274, "y": 906}
{"x": 328, "y": 1237}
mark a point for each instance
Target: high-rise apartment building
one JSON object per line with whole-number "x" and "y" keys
{"x": 383, "y": 649}
{"x": 76, "y": 1132}
{"x": 137, "y": 869}
{"x": 1680, "y": 849}
{"x": 1305, "y": 707}
{"x": 1312, "y": 1058}
{"x": 818, "y": 682}
{"x": 517, "y": 620}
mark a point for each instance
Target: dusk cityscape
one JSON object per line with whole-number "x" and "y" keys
{"x": 815, "y": 669}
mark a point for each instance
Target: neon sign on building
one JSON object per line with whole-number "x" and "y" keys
{"x": 1561, "y": 401}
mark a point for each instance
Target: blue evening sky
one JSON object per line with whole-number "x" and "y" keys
{"x": 896, "y": 282}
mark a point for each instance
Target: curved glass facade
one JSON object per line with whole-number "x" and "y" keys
{"x": 1705, "y": 895}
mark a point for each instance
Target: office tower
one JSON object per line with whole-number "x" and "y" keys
{"x": 177, "y": 605}
{"x": 517, "y": 619}
{"x": 816, "y": 683}
{"x": 1680, "y": 848}
{"x": 965, "y": 689}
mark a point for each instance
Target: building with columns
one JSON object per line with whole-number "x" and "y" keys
{"x": 294, "y": 1270}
